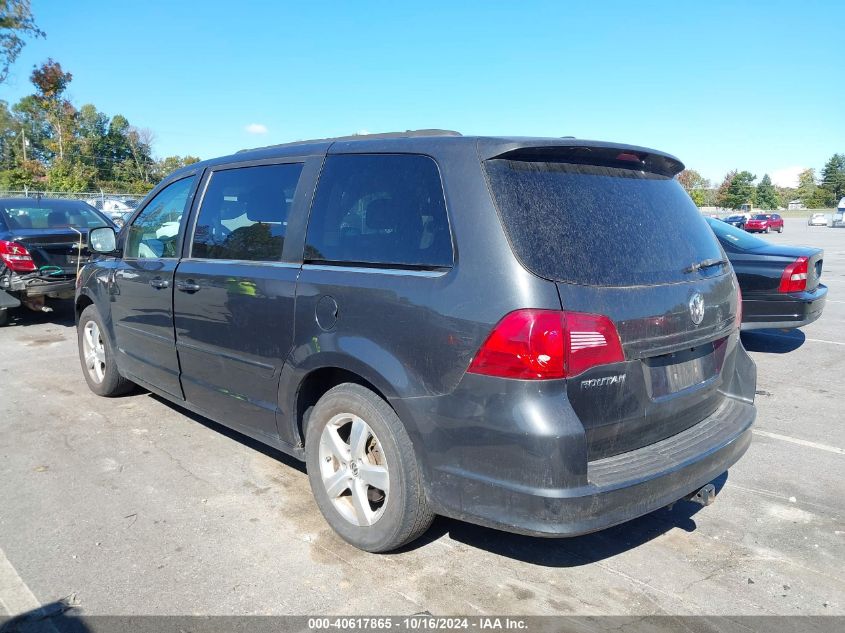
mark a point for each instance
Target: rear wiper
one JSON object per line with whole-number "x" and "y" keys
{"x": 707, "y": 263}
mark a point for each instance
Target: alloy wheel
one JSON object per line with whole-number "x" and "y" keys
{"x": 353, "y": 469}
{"x": 94, "y": 351}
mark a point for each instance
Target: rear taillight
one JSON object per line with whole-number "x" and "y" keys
{"x": 794, "y": 278}
{"x": 547, "y": 344}
{"x": 16, "y": 257}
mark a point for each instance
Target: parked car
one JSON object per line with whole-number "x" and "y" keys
{"x": 437, "y": 324}
{"x": 764, "y": 222}
{"x": 43, "y": 243}
{"x": 736, "y": 220}
{"x": 780, "y": 284}
{"x": 817, "y": 219}
{"x": 838, "y": 218}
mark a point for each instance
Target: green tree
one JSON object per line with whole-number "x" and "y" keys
{"x": 737, "y": 191}
{"x": 833, "y": 177}
{"x": 16, "y": 23}
{"x": 699, "y": 197}
{"x": 807, "y": 188}
{"x": 767, "y": 195}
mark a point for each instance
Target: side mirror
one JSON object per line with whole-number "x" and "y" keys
{"x": 102, "y": 240}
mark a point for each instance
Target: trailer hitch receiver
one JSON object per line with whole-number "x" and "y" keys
{"x": 703, "y": 496}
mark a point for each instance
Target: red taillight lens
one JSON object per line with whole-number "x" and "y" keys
{"x": 794, "y": 278}
{"x": 547, "y": 344}
{"x": 16, "y": 257}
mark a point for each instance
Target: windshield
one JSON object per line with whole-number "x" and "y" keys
{"x": 50, "y": 214}
{"x": 601, "y": 226}
{"x": 733, "y": 237}
{"x": 761, "y": 217}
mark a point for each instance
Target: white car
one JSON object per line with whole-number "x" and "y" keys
{"x": 817, "y": 219}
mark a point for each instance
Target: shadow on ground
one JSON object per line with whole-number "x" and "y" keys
{"x": 55, "y": 617}
{"x": 773, "y": 341}
{"x": 570, "y": 552}
{"x": 62, "y": 314}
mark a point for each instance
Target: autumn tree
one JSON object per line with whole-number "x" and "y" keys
{"x": 16, "y": 23}
{"x": 767, "y": 195}
{"x": 50, "y": 82}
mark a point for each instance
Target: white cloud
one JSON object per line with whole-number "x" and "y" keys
{"x": 787, "y": 176}
{"x": 256, "y": 128}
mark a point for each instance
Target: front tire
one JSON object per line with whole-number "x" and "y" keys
{"x": 363, "y": 470}
{"x": 97, "y": 357}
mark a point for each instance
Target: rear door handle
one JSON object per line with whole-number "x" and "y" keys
{"x": 158, "y": 282}
{"x": 187, "y": 286}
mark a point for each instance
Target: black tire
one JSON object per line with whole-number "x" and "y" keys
{"x": 112, "y": 383}
{"x": 404, "y": 513}
{"x": 780, "y": 230}
{"x": 767, "y": 230}
{"x": 4, "y": 317}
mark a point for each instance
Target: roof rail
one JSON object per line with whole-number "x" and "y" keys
{"x": 362, "y": 137}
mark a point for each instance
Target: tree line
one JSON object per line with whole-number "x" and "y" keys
{"x": 738, "y": 188}
{"x": 47, "y": 143}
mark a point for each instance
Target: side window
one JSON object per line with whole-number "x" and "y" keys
{"x": 155, "y": 232}
{"x": 244, "y": 213}
{"x": 384, "y": 209}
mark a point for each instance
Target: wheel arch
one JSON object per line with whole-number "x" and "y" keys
{"x": 316, "y": 382}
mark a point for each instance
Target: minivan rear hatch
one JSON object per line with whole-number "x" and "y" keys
{"x": 620, "y": 237}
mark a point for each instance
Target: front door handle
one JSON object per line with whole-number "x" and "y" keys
{"x": 187, "y": 286}
{"x": 158, "y": 282}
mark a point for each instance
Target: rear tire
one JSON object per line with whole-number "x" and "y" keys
{"x": 97, "y": 357}
{"x": 4, "y": 317}
{"x": 363, "y": 470}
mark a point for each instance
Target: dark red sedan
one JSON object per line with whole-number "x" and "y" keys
{"x": 764, "y": 222}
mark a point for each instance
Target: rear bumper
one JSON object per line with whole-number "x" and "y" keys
{"x": 515, "y": 456}
{"x": 22, "y": 289}
{"x": 783, "y": 311}
{"x": 619, "y": 488}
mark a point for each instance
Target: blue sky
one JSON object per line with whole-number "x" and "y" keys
{"x": 722, "y": 85}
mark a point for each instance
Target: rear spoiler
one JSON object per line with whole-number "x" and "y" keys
{"x": 623, "y": 157}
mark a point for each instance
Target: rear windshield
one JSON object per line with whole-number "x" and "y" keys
{"x": 45, "y": 214}
{"x": 600, "y": 226}
{"x": 761, "y": 217}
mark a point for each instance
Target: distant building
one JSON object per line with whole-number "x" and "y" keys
{"x": 795, "y": 205}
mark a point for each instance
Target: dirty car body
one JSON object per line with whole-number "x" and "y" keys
{"x": 645, "y": 394}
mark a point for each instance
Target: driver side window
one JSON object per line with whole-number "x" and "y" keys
{"x": 155, "y": 232}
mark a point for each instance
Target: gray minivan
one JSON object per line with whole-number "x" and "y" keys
{"x": 535, "y": 334}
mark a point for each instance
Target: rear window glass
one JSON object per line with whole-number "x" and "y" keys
{"x": 57, "y": 215}
{"x": 381, "y": 209}
{"x": 600, "y": 226}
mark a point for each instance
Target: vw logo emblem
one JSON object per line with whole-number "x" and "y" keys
{"x": 696, "y": 308}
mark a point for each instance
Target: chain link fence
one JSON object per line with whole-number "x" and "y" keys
{"x": 115, "y": 204}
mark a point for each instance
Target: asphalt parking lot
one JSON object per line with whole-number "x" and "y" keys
{"x": 134, "y": 506}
